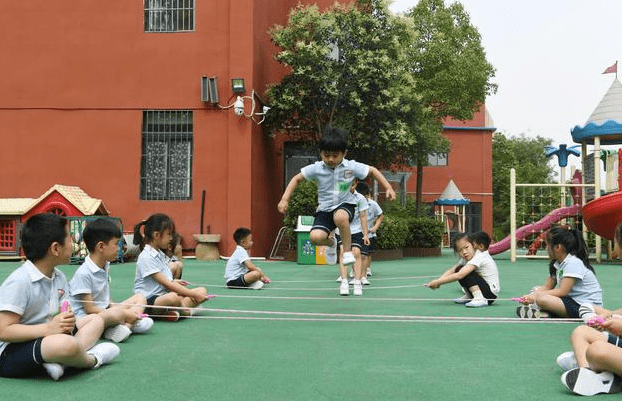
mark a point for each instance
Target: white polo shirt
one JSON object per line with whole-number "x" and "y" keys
{"x": 235, "y": 265}
{"x": 92, "y": 280}
{"x": 334, "y": 184}
{"x": 32, "y": 295}
{"x": 149, "y": 262}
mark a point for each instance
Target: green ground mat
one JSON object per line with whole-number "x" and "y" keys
{"x": 316, "y": 345}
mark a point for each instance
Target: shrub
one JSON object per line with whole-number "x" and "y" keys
{"x": 392, "y": 233}
{"x": 424, "y": 232}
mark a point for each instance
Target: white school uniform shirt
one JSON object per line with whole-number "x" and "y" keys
{"x": 372, "y": 213}
{"x": 149, "y": 262}
{"x": 92, "y": 280}
{"x": 586, "y": 288}
{"x": 32, "y": 295}
{"x": 486, "y": 267}
{"x": 235, "y": 265}
{"x": 334, "y": 184}
{"x": 361, "y": 205}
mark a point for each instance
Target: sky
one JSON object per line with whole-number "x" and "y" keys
{"x": 549, "y": 57}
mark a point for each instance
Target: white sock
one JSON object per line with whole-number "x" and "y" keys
{"x": 477, "y": 294}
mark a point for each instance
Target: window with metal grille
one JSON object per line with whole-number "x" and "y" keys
{"x": 437, "y": 159}
{"x": 8, "y": 235}
{"x": 166, "y": 166}
{"x": 169, "y": 15}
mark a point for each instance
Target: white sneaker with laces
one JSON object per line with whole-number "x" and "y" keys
{"x": 54, "y": 370}
{"x": 344, "y": 288}
{"x": 364, "y": 281}
{"x": 117, "y": 333}
{"x": 348, "y": 259}
{"x": 142, "y": 325}
{"x": 338, "y": 279}
{"x": 585, "y": 381}
{"x": 369, "y": 272}
{"x": 477, "y": 303}
{"x": 567, "y": 361}
{"x": 357, "y": 288}
{"x": 104, "y": 353}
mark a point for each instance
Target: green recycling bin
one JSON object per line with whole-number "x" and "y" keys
{"x": 306, "y": 250}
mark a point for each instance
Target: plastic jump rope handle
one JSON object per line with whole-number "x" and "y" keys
{"x": 64, "y": 306}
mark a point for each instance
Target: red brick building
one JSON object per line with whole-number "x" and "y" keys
{"x": 107, "y": 97}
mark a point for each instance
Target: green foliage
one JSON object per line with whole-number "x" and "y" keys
{"x": 424, "y": 232}
{"x": 392, "y": 233}
{"x": 527, "y": 156}
{"x": 421, "y": 232}
{"x": 302, "y": 203}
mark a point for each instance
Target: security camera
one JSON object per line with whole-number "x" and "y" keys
{"x": 238, "y": 106}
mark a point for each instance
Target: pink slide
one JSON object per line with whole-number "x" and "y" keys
{"x": 530, "y": 229}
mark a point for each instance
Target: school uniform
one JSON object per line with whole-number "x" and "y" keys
{"x": 149, "y": 262}
{"x": 92, "y": 280}
{"x": 37, "y": 299}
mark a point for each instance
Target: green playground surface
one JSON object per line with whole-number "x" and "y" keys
{"x": 316, "y": 345}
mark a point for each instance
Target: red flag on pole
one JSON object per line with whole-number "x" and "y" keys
{"x": 612, "y": 69}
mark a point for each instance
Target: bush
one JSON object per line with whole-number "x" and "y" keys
{"x": 424, "y": 232}
{"x": 302, "y": 203}
{"x": 392, "y": 233}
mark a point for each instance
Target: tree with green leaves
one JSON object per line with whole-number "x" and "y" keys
{"x": 347, "y": 69}
{"x": 528, "y": 157}
{"x": 452, "y": 75}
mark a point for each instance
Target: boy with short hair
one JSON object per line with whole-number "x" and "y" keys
{"x": 90, "y": 290}
{"x": 34, "y": 336}
{"x": 240, "y": 271}
{"x": 334, "y": 176}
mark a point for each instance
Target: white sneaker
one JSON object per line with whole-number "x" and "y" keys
{"x": 477, "y": 303}
{"x": 358, "y": 288}
{"x": 338, "y": 279}
{"x": 463, "y": 299}
{"x": 586, "y": 312}
{"x": 351, "y": 282}
{"x": 344, "y": 288}
{"x": 348, "y": 259}
{"x": 142, "y": 325}
{"x": 584, "y": 381}
{"x": 364, "y": 281}
{"x": 104, "y": 353}
{"x": 567, "y": 361}
{"x": 369, "y": 272}
{"x": 117, "y": 333}
{"x": 351, "y": 275}
{"x": 55, "y": 370}
{"x": 257, "y": 285}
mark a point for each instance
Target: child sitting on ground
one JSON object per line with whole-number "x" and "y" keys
{"x": 240, "y": 271}
{"x": 90, "y": 288}
{"x": 36, "y": 335}
{"x": 571, "y": 282}
{"x": 476, "y": 271}
{"x": 595, "y": 366}
{"x": 154, "y": 278}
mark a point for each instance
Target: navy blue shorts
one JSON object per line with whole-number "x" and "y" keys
{"x": 615, "y": 340}
{"x": 324, "y": 220}
{"x": 369, "y": 249}
{"x": 572, "y": 307}
{"x": 22, "y": 359}
{"x": 357, "y": 241}
{"x": 238, "y": 282}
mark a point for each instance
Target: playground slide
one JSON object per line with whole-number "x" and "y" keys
{"x": 602, "y": 215}
{"x": 529, "y": 229}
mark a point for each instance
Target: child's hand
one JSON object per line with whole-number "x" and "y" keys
{"x": 199, "y": 294}
{"x": 283, "y": 205}
{"x": 614, "y": 326}
{"x": 433, "y": 285}
{"x": 390, "y": 194}
{"x": 63, "y": 323}
{"x": 366, "y": 240}
{"x": 182, "y": 282}
{"x": 528, "y": 299}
